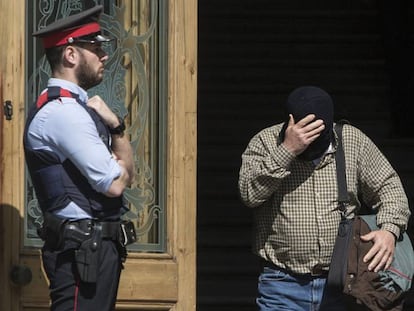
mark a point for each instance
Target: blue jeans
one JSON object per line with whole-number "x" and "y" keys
{"x": 279, "y": 290}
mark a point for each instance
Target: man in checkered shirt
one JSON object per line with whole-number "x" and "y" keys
{"x": 288, "y": 176}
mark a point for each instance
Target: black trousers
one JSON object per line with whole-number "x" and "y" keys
{"x": 67, "y": 292}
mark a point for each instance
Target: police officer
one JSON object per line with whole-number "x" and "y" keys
{"x": 80, "y": 162}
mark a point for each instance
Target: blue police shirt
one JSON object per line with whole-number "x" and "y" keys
{"x": 64, "y": 127}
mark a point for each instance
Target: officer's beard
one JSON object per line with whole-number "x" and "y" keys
{"x": 87, "y": 76}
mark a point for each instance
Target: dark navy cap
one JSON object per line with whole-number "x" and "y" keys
{"x": 313, "y": 100}
{"x": 80, "y": 27}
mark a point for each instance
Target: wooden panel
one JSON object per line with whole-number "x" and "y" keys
{"x": 182, "y": 142}
{"x": 141, "y": 276}
{"x": 11, "y": 160}
{"x": 149, "y": 280}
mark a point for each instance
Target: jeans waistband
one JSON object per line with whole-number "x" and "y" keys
{"x": 317, "y": 270}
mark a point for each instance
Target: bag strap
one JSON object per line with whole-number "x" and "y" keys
{"x": 343, "y": 197}
{"x": 338, "y": 267}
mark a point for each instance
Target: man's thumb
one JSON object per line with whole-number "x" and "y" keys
{"x": 291, "y": 120}
{"x": 367, "y": 237}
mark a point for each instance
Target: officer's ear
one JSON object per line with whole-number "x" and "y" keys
{"x": 70, "y": 55}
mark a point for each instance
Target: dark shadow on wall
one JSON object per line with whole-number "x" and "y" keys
{"x": 396, "y": 18}
{"x": 12, "y": 275}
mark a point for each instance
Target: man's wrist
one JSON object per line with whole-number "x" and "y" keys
{"x": 117, "y": 130}
{"x": 395, "y": 230}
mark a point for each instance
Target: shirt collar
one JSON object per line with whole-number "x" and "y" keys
{"x": 329, "y": 150}
{"x": 70, "y": 86}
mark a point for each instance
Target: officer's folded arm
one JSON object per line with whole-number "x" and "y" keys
{"x": 122, "y": 152}
{"x": 119, "y": 184}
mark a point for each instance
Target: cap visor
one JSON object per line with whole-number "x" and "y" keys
{"x": 101, "y": 38}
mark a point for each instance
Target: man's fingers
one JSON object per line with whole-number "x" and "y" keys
{"x": 389, "y": 262}
{"x": 314, "y": 129}
{"x": 381, "y": 254}
{"x": 301, "y": 134}
{"x": 94, "y": 103}
{"x": 316, "y": 125}
{"x": 309, "y": 125}
{"x": 306, "y": 120}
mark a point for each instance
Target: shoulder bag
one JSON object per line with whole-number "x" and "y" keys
{"x": 348, "y": 274}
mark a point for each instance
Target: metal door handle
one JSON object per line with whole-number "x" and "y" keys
{"x": 20, "y": 275}
{"x": 8, "y": 110}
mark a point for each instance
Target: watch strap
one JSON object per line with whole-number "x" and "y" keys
{"x": 119, "y": 129}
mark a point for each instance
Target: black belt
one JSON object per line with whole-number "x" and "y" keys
{"x": 316, "y": 271}
{"x": 109, "y": 229}
{"x": 319, "y": 271}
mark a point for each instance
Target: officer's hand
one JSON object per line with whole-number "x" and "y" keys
{"x": 381, "y": 254}
{"x": 300, "y": 135}
{"x": 102, "y": 109}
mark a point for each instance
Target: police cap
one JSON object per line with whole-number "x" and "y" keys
{"x": 80, "y": 27}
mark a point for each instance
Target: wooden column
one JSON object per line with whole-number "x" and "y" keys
{"x": 182, "y": 152}
{"x": 12, "y": 61}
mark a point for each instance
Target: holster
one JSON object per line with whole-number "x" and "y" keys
{"x": 87, "y": 256}
{"x": 85, "y": 236}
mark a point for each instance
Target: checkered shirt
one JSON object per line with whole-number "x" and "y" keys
{"x": 295, "y": 203}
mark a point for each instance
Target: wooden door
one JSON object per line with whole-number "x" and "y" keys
{"x": 152, "y": 279}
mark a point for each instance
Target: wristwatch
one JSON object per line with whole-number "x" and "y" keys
{"x": 119, "y": 129}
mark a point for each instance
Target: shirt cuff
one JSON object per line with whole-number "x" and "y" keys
{"x": 114, "y": 173}
{"x": 283, "y": 156}
{"x": 392, "y": 228}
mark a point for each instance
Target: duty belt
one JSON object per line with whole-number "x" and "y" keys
{"x": 80, "y": 229}
{"x": 56, "y": 230}
{"x": 109, "y": 229}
